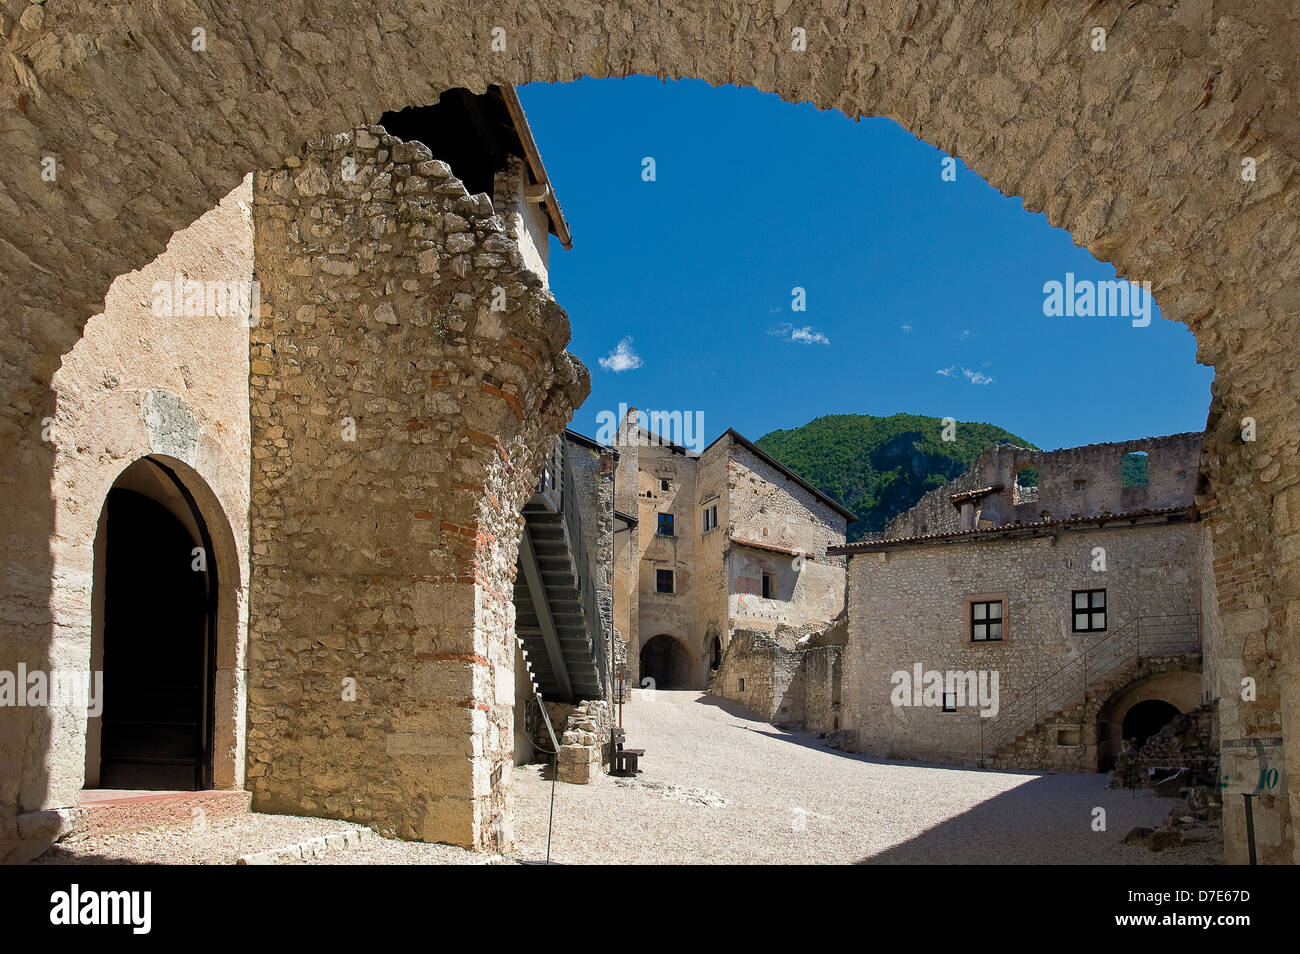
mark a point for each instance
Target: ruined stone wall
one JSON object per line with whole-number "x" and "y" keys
{"x": 1188, "y": 741}
{"x": 1136, "y": 151}
{"x": 1074, "y": 482}
{"x": 398, "y": 420}
{"x": 768, "y": 509}
{"x": 934, "y": 512}
{"x": 820, "y": 670}
{"x": 757, "y": 672}
{"x": 908, "y": 606}
{"x": 526, "y": 220}
{"x": 792, "y": 688}
{"x": 149, "y": 377}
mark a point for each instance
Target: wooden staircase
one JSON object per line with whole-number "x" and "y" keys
{"x": 1097, "y": 673}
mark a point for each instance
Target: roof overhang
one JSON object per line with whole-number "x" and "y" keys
{"x": 533, "y": 156}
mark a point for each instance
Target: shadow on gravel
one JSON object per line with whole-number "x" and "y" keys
{"x": 59, "y": 855}
{"x": 1012, "y": 828}
{"x": 809, "y": 741}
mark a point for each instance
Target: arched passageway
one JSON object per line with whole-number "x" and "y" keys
{"x": 666, "y": 660}
{"x": 1147, "y": 718}
{"x": 1142, "y": 708}
{"x": 155, "y": 632}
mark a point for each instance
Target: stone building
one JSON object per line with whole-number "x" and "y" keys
{"x": 335, "y": 633}
{"x": 713, "y": 542}
{"x": 1035, "y": 612}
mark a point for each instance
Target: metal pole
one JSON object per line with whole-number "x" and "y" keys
{"x": 1250, "y": 828}
{"x": 551, "y": 820}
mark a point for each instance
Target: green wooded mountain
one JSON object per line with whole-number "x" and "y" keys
{"x": 878, "y": 467}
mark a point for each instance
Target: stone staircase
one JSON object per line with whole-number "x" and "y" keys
{"x": 1023, "y": 734}
{"x": 556, "y": 619}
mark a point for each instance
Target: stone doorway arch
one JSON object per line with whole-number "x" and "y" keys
{"x": 1147, "y": 718}
{"x": 165, "y": 635}
{"x": 667, "y": 660}
{"x": 1143, "y": 707}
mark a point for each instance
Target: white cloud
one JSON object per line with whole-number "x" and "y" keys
{"x": 622, "y": 358}
{"x": 974, "y": 377}
{"x": 805, "y": 335}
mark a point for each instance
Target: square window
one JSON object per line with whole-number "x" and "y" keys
{"x": 1089, "y": 610}
{"x": 663, "y": 581}
{"x": 665, "y": 525}
{"x": 986, "y": 621}
{"x": 663, "y": 485}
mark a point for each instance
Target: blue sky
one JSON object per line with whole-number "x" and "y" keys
{"x": 906, "y": 275}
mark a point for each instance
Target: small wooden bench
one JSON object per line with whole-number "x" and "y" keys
{"x": 625, "y": 761}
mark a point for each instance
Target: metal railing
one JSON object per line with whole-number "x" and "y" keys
{"x": 1141, "y": 637}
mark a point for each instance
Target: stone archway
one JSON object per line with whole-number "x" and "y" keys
{"x": 1149, "y": 697}
{"x": 667, "y": 660}
{"x": 1147, "y": 718}
{"x": 1137, "y": 151}
{"x": 161, "y": 634}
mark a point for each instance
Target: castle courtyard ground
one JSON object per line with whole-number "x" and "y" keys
{"x": 719, "y": 786}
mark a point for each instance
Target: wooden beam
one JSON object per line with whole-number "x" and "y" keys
{"x": 534, "y": 157}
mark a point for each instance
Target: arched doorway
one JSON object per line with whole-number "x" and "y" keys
{"x": 1147, "y": 718}
{"x": 666, "y": 660}
{"x": 715, "y": 653}
{"x": 154, "y": 639}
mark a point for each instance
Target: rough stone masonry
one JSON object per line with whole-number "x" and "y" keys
{"x": 396, "y": 418}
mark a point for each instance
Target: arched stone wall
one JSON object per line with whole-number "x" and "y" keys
{"x": 1182, "y": 690}
{"x": 1137, "y": 151}
{"x": 681, "y": 662}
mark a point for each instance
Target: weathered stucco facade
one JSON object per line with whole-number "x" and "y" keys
{"x": 744, "y": 540}
{"x": 1138, "y": 151}
{"x": 148, "y": 379}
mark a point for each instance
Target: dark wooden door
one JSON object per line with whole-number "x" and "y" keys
{"x": 155, "y": 650}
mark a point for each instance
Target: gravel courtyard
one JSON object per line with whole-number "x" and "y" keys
{"x": 719, "y": 786}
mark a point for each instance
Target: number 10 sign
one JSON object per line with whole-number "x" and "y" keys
{"x": 1252, "y": 767}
